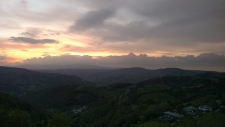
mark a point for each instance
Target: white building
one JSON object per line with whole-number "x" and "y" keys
{"x": 205, "y": 108}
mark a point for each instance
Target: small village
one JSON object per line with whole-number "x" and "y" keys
{"x": 78, "y": 110}
{"x": 189, "y": 111}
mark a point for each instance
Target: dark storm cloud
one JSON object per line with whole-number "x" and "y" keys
{"x": 170, "y": 9}
{"x": 31, "y": 40}
{"x": 92, "y": 19}
{"x": 172, "y": 20}
{"x": 203, "y": 28}
{"x": 201, "y": 20}
{"x": 205, "y": 61}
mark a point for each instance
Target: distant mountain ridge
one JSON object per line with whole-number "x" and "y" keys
{"x": 61, "y": 66}
{"x": 124, "y": 75}
{"x": 18, "y": 80}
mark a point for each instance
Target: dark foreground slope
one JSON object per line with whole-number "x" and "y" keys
{"x": 15, "y": 113}
{"x": 18, "y": 81}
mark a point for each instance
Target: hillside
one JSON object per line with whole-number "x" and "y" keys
{"x": 18, "y": 81}
{"x": 121, "y": 105}
{"x": 124, "y": 75}
{"x": 15, "y": 113}
{"x": 68, "y": 96}
{"x": 143, "y": 103}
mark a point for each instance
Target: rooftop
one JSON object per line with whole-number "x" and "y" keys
{"x": 189, "y": 108}
{"x": 173, "y": 114}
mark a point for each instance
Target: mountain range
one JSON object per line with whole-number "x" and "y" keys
{"x": 124, "y": 75}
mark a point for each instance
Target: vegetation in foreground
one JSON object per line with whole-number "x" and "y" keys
{"x": 15, "y": 113}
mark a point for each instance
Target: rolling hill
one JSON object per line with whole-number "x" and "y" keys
{"x": 18, "y": 81}
{"x": 123, "y": 75}
{"x": 16, "y": 113}
{"x": 119, "y": 104}
{"x": 127, "y": 104}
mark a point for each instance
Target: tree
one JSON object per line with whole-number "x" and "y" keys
{"x": 59, "y": 120}
{"x": 18, "y": 118}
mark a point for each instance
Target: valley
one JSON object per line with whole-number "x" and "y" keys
{"x": 117, "y": 104}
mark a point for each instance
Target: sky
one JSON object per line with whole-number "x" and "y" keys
{"x": 188, "y": 34}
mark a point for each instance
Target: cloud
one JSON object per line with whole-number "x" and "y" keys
{"x": 38, "y": 13}
{"x": 32, "y": 31}
{"x": 103, "y": 3}
{"x": 205, "y": 61}
{"x": 195, "y": 21}
{"x": 163, "y": 27}
{"x": 23, "y": 5}
{"x": 2, "y": 57}
{"x": 92, "y": 19}
{"x": 7, "y": 24}
{"x": 190, "y": 21}
{"x": 32, "y": 41}
{"x": 27, "y": 34}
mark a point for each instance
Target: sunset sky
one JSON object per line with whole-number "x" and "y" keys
{"x": 189, "y": 34}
